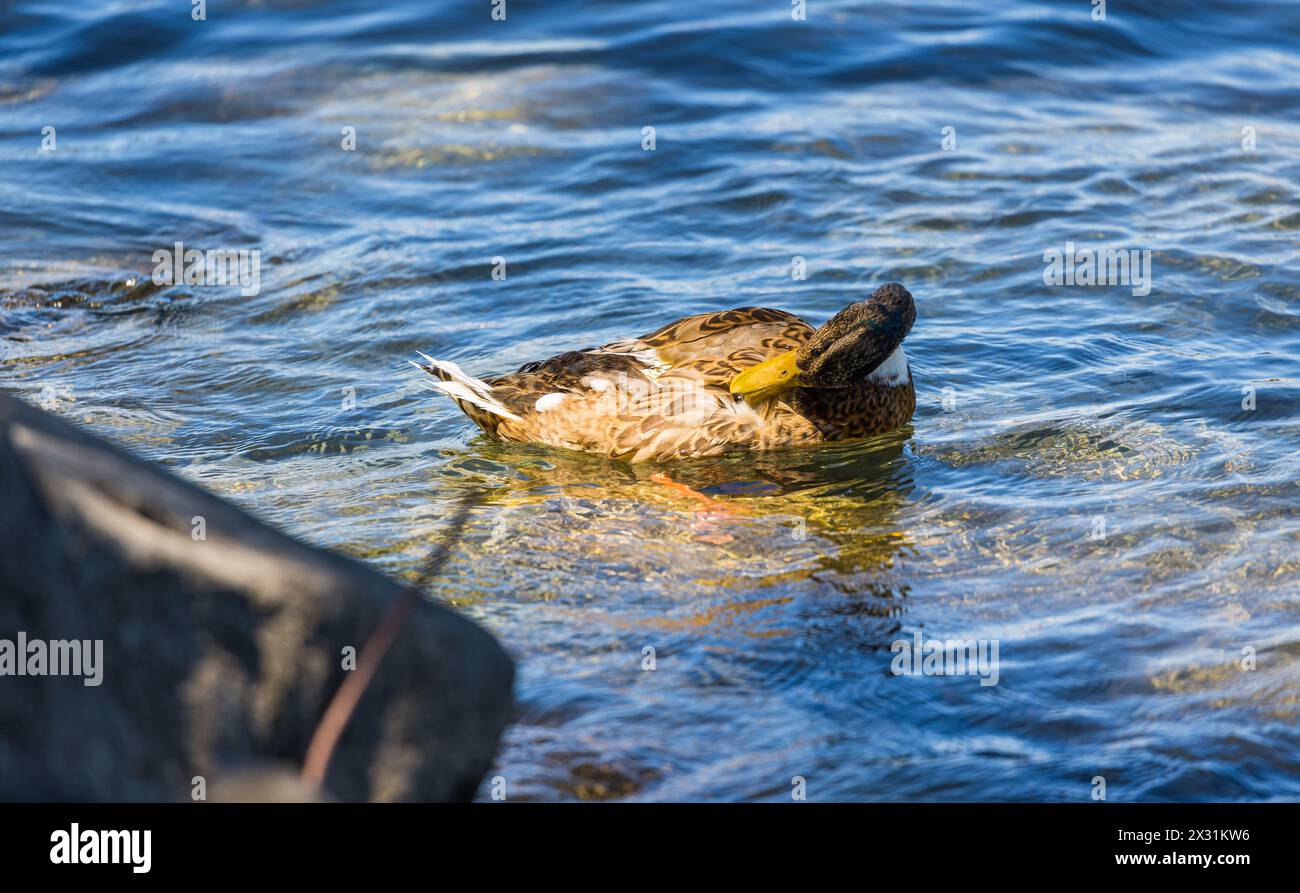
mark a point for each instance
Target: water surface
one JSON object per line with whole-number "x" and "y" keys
{"x": 1081, "y": 483}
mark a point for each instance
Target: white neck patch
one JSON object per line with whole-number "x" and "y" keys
{"x": 894, "y": 371}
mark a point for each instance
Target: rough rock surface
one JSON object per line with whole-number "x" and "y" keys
{"x": 219, "y": 653}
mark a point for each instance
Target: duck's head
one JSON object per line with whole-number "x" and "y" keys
{"x": 841, "y": 353}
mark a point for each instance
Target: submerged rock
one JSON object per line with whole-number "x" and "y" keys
{"x": 222, "y": 643}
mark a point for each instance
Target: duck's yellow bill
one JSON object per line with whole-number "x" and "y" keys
{"x": 767, "y": 379}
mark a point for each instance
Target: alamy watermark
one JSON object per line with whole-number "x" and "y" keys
{"x": 1100, "y": 266}
{"x": 946, "y": 657}
{"x": 89, "y": 847}
{"x": 190, "y": 266}
{"x": 54, "y": 657}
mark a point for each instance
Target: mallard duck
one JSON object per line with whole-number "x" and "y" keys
{"x": 750, "y": 378}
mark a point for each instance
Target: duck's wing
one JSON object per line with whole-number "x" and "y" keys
{"x": 540, "y": 387}
{"x": 621, "y": 404}
{"x": 714, "y": 348}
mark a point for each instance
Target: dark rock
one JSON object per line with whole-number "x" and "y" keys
{"x": 218, "y": 653}
{"x": 264, "y": 783}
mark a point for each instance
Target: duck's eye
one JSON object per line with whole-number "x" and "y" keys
{"x": 739, "y": 398}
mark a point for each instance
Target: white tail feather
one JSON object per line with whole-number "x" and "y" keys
{"x": 457, "y": 374}
{"x": 465, "y": 387}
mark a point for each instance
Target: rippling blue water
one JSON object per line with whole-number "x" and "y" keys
{"x": 1083, "y": 482}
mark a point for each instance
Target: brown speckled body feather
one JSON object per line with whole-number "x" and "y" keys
{"x": 665, "y": 395}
